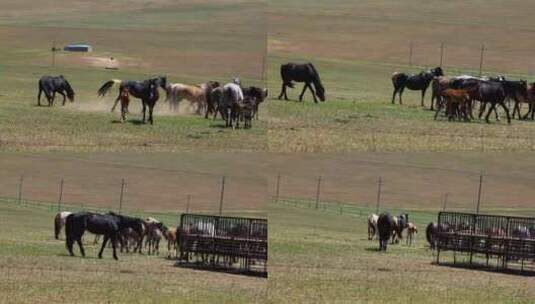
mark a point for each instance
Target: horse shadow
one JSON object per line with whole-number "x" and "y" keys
{"x": 136, "y": 122}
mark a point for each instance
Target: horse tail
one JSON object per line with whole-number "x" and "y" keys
{"x": 398, "y": 79}
{"x": 57, "y": 225}
{"x": 106, "y": 87}
{"x": 69, "y": 232}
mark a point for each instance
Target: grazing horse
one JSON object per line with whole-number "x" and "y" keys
{"x": 418, "y": 82}
{"x": 146, "y": 90}
{"x": 306, "y": 73}
{"x": 196, "y": 94}
{"x": 108, "y": 225}
{"x": 372, "y": 225}
{"x": 59, "y": 222}
{"x": 52, "y": 85}
{"x": 385, "y": 228}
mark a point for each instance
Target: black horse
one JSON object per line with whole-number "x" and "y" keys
{"x": 418, "y": 82}
{"x": 306, "y": 73}
{"x": 258, "y": 94}
{"x": 385, "y": 226}
{"x": 146, "y": 90}
{"x": 493, "y": 93}
{"x": 52, "y": 85}
{"x": 108, "y": 225}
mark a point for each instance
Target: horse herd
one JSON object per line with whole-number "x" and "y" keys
{"x": 457, "y": 95}
{"x": 386, "y": 227}
{"x": 233, "y": 102}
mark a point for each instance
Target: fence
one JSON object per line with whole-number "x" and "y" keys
{"x": 508, "y": 239}
{"x": 224, "y": 243}
{"x": 404, "y": 186}
{"x": 135, "y": 190}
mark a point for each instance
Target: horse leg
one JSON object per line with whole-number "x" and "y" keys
{"x": 143, "y": 110}
{"x": 39, "y": 97}
{"x": 313, "y": 93}
{"x": 303, "y": 92}
{"x": 69, "y": 242}
{"x": 151, "y": 107}
{"x": 401, "y": 93}
{"x": 53, "y": 98}
{"x": 482, "y": 107}
{"x": 394, "y": 95}
{"x": 116, "y": 102}
{"x": 283, "y": 88}
{"x": 492, "y": 107}
{"x": 114, "y": 245}
{"x": 507, "y": 112}
{"x": 64, "y": 98}
{"x": 80, "y": 244}
{"x": 103, "y": 246}
{"x": 423, "y": 96}
{"x": 439, "y": 108}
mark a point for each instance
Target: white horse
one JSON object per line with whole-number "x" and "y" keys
{"x": 231, "y": 97}
{"x": 59, "y": 222}
{"x": 372, "y": 225}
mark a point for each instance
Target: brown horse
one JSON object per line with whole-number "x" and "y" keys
{"x": 196, "y": 94}
{"x": 457, "y": 103}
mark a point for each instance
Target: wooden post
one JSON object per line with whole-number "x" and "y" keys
{"x": 410, "y": 53}
{"x": 379, "y": 186}
{"x": 222, "y": 195}
{"x": 53, "y": 53}
{"x": 21, "y": 182}
{"x": 318, "y": 189}
{"x": 188, "y": 199}
{"x": 479, "y": 192}
{"x": 445, "y": 203}
{"x": 123, "y": 185}
{"x": 60, "y": 195}
{"x": 277, "y": 192}
{"x": 481, "y": 60}
{"x": 441, "y": 54}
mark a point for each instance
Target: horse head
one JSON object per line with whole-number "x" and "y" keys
{"x": 437, "y": 71}
{"x": 236, "y": 80}
{"x": 162, "y": 82}
{"x": 69, "y": 90}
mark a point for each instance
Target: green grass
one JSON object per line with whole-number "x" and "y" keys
{"x": 32, "y": 259}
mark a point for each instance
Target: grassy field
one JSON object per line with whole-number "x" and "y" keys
{"x": 318, "y": 257}
{"x": 36, "y": 269}
{"x": 356, "y": 46}
{"x": 188, "y": 41}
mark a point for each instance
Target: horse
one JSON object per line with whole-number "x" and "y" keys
{"x": 518, "y": 92}
{"x": 229, "y": 97}
{"x": 52, "y": 85}
{"x": 196, "y": 94}
{"x": 457, "y": 102}
{"x": 400, "y": 223}
{"x": 385, "y": 228}
{"x": 439, "y": 84}
{"x": 418, "y": 82}
{"x": 146, "y": 90}
{"x": 259, "y": 94}
{"x": 108, "y": 225}
{"x": 59, "y": 222}
{"x": 372, "y": 225}
{"x": 171, "y": 236}
{"x": 494, "y": 93}
{"x": 412, "y": 230}
{"x": 306, "y": 73}
{"x": 124, "y": 96}
{"x": 431, "y": 232}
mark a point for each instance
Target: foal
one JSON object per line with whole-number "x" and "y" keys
{"x": 411, "y": 233}
{"x": 124, "y": 97}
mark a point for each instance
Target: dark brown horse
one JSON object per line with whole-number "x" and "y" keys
{"x": 418, "y": 82}
{"x": 306, "y": 73}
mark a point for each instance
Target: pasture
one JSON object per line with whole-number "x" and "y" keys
{"x": 187, "y": 41}
{"x": 356, "y": 46}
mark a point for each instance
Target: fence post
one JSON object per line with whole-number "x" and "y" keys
{"x": 188, "y": 199}
{"x": 481, "y": 60}
{"x": 445, "y": 202}
{"x": 318, "y": 189}
{"x": 479, "y": 192}
{"x": 410, "y": 53}
{"x": 379, "y": 186}
{"x": 222, "y": 195}
{"x": 60, "y": 194}
{"x": 21, "y": 182}
{"x": 123, "y": 185}
{"x": 277, "y": 192}
{"x": 441, "y": 54}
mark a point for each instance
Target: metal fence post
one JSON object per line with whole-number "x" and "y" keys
{"x": 318, "y": 189}
{"x": 21, "y": 182}
{"x": 277, "y": 192}
{"x": 379, "y": 186}
{"x": 60, "y": 195}
{"x": 479, "y": 192}
{"x": 222, "y": 195}
{"x": 123, "y": 185}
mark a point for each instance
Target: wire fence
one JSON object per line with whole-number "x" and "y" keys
{"x": 418, "y": 188}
